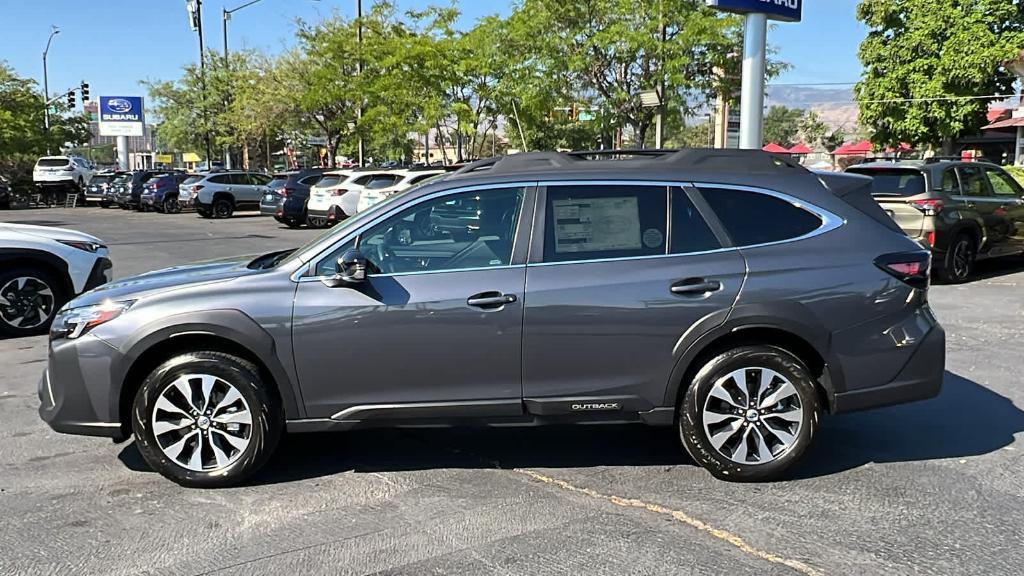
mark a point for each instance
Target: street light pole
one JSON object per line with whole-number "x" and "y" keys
{"x": 755, "y": 33}
{"x": 46, "y": 88}
{"x": 359, "y": 70}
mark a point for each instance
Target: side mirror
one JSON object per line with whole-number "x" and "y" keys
{"x": 351, "y": 269}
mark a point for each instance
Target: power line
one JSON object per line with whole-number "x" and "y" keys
{"x": 811, "y": 84}
{"x": 898, "y": 100}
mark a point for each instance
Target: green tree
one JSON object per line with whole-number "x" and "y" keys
{"x": 22, "y": 127}
{"x": 813, "y": 131}
{"x": 781, "y": 125}
{"x": 926, "y": 62}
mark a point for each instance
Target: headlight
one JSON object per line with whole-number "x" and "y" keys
{"x": 87, "y": 246}
{"x": 73, "y": 322}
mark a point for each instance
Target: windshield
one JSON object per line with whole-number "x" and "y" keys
{"x": 278, "y": 182}
{"x": 384, "y": 182}
{"x": 101, "y": 179}
{"x": 192, "y": 179}
{"x": 887, "y": 182}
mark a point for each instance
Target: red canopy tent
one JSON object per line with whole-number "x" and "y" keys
{"x": 800, "y": 149}
{"x": 858, "y": 149}
{"x": 775, "y": 148}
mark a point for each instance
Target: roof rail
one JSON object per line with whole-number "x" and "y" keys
{"x": 755, "y": 161}
{"x": 937, "y": 159}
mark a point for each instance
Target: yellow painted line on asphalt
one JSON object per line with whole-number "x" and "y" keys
{"x": 680, "y": 517}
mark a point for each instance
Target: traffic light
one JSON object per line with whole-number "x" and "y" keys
{"x": 85, "y": 91}
{"x": 71, "y": 99}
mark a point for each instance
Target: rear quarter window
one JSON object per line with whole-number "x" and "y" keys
{"x": 752, "y": 218}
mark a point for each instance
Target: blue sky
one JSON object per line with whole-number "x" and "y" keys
{"x": 115, "y": 43}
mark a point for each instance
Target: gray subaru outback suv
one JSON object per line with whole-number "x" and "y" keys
{"x": 732, "y": 295}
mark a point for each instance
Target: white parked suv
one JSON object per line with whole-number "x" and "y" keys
{"x": 336, "y": 196}
{"x": 42, "y": 268}
{"x": 378, "y": 190}
{"x": 70, "y": 173}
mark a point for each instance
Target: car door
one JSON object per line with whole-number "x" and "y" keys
{"x": 1008, "y": 199}
{"x": 619, "y": 273}
{"x": 977, "y": 196}
{"x": 436, "y": 328}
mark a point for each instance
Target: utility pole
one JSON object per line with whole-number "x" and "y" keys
{"x": 195, "y": 10}
{"x": 46, "y": 88}
{"x": 359, "y": 70}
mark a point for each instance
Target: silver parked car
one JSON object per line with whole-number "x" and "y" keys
{"x": 732, "y": 295}
{"x": 220, "y": 194}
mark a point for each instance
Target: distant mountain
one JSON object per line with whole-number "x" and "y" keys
{"x": 835, "y": 106}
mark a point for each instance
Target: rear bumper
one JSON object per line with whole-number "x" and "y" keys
{"x": 920, "y": 379}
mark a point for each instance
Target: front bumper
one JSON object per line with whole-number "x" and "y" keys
{"x": 71, "y": 406}
{"x": 920, "y": 379}
{"x": 102, "y": 272}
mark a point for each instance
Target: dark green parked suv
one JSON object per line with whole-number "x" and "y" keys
{"x": 964, "y": 211}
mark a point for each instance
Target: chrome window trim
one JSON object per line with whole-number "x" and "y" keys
{"x": 319, "y": 254}
{"x": 829, "y": 220}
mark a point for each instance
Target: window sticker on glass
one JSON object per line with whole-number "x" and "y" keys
{"x": 596, "y": 224}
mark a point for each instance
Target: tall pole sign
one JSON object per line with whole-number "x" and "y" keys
{"x": 755, "y": 33}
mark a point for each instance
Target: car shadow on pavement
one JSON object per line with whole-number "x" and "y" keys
{"x": 997, "y": 267}
{"x": 966, "y": 419}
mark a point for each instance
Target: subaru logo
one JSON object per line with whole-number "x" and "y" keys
{"x": 119, "y": 105}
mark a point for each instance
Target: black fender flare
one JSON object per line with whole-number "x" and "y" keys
{"x": 778, "y": 316}
{"x": 229, "y": 324}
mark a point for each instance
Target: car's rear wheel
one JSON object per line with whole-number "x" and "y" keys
{"x": 29, "y": 299}
{"x": 206, "y": 420}
{"x": 204, "y": 213}
{"x": 749, "y": 414}
{"x": 292, "y": 223}
{"x": 223, "y": 208}
{"x": 958, "y": 263}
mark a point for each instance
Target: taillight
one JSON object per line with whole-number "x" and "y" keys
{"x": 929, "y": 207}
{"x": 930, "y": 238}
{"x": 196, "y": 188}
{"x": 69, "y": 168}
{"x": 338, "y": 192}
{"x": 283, "y": 192}
{"x": 911, "y": 268}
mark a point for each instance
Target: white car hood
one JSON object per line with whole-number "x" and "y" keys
{"x": 50, "y": 232}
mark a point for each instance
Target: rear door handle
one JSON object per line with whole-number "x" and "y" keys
{"x": 490, "y": 300}
{"x": 696, "y": 286}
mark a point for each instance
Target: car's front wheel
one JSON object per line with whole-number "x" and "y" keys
{"x": 750, "y": 413}
{"x": 29, "y": 299}
{"x": 206, "y": 420}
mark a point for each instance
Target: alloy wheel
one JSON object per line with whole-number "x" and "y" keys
{"x": 962, "y": 259}
{"x": 26, "y": 302}
{"x": 753, "y": 415}
{"x": 202, "y": 422}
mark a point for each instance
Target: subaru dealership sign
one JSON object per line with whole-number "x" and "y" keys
{"x": 121, "y": 116}
{"x": 785, "y": 10}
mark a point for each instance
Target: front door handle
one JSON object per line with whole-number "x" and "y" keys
{"x": 490, "y": 300}
{"x": 696, "y": 286}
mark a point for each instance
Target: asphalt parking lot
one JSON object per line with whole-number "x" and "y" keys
{"x": 934, "y": 488}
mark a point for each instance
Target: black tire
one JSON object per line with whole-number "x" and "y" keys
{"x": 958, "y": 263}
{"x": 104, "y": 205}
{"x": 223, "y": 208}
{"x": 264, "y": 407}
{"x": 204, "y": 213}
{"x": 690, "y": 421}
{"x": 9, "y": 323}
{"x": 292, "y": 223}
{"x": 171, "y": 205}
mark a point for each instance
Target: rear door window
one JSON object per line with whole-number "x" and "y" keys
{"x": 604, "y": 221}
{"x": 752, "y": 218}
{"x": 950, "y": 185}
{"x": 690, "y": 232}
{"x": 239, "y": 179}
{"x": 886, "y": 182}
{"x": 258, "y": 179}
{"x": 1003, "y": 184}
{"x": 973, "y": 181}
{"x": 220, "y": 179}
